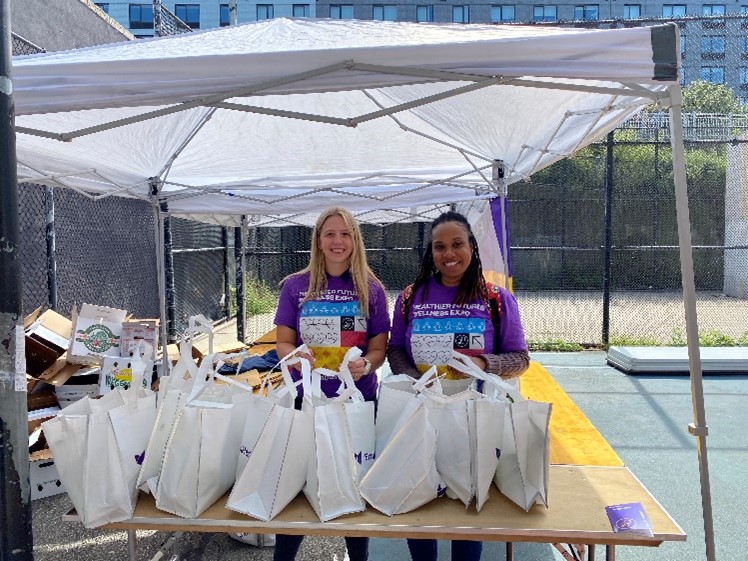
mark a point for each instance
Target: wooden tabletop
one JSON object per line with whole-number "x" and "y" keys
{"x": 578, "y": 496}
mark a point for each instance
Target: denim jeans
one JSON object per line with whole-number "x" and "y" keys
{"x": 425, "y": 550}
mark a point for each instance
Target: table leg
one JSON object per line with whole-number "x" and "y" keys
{"x": 509, "y": 551}
{"x": 591, "y": 552}
{"x": 610, "y": 553}
{"x": 132, "y": 545}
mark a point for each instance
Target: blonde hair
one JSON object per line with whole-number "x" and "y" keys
{"x": 359, "y": 268}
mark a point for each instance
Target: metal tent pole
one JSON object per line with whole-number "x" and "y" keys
{"x": 698, "y": 428}
{"x": 498, "y": 177}
{"x": 158, "y": 224}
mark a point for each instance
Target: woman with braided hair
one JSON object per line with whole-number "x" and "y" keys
{"x": 450, "y": 307}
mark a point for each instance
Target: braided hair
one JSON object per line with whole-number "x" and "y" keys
{"x": 472, "y": 286}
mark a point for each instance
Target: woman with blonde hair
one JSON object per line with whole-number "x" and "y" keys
{"x": 336, "y": 302}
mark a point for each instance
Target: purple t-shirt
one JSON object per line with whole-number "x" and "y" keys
{"x": 436, "y": 327}
{"x": 332, "y": 323}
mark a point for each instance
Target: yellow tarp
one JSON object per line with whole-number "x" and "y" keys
{"x": 574, "y": 439}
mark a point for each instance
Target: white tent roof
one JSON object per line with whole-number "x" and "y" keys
{"x": 281, "y": 118}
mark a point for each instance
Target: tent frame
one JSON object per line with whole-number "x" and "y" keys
{"x": 492, "y": 186}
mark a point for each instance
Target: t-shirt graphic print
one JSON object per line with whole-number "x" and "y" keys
{"x": 329, "y": 329}
{"x": 433, "y": 338}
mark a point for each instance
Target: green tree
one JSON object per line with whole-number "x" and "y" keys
{"x": 704, "y": 97}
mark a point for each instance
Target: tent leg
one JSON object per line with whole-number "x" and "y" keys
{"x": 698, "y": 428}
{"x": 499, "y": 179}
{"x": 158, "y": 223}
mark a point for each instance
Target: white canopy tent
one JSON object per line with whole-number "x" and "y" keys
{"x": 388, "y": 119}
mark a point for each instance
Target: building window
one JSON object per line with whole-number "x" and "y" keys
{"x": 586, "y": 12}
{"x": 713, "y": 74}
{"x": 713, "y": 45}
{"x": 673, "y": 10}
{"x": 743, "y": 75}
{"x": 424, "y": 13}
{"x": 104, "y": 7}
{"x": 265, "y": 11}
{"x": 301, "y": 10}
{"x": 341, "y": 11}
{"x": 502, "y": 13}
{"x": 189, "y": 14}
{"x": 461, "y": 14}
{"x": 224, "y": 20}
{"x": 141, "y": 16}
{"x": 384, "y": 12}
{"x": 744, "y": 9}
{"x": 713, "y": 10}
{"x": 743, "y": 45}
{"x": 544, "y": 13}
{"x": 632, "y": 11}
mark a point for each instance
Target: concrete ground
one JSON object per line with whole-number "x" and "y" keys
{"x": 644, "y": 418}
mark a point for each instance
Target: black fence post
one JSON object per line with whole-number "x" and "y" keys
{"x": 241, "y": 306}
{"x": 226, "y": 307}
{"x": 608, "y": 235}
{"x": 171, "y": 289}
{"x": 16, "y": 538}
{"x": 49, "y": 199}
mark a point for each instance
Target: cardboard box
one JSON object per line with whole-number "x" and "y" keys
{"x": 47, "y": 340}
{"x": 97, "y": 332}
{"x": 116, "y": 372}
{"x": 136, "y": 330}
{"x": 45, "y": 481}
{"x": 49, "y": 327}
{"x": 84, "y": 384}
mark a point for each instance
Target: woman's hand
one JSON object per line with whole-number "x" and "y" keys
{"x": 480, "y": 362}
{"x": 307, "y": 356}
{"x": 359, "y": 368}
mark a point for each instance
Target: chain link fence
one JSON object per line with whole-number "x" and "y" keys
{"x": 559, "y": 245}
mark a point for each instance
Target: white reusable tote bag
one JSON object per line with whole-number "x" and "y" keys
{"x": 524, "y": 458}
{"x": 404, "y": 477}
{"x": 201, "y": 454}
{"x": 332, "y": 476}
{"x": 98, "y": 464}
{"x": 524, "y": 465}
{"x": 396, "y": 392}
{"x": 173, "y": 391}
{"x": 453, "y": 418}
{"x": 276, "y": 469}
{"x": 133, "y": 421}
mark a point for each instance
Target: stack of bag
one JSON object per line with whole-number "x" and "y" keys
{"x": 211, "y": 434}
{"x": 322, "y": 449}
{"x": 430, "y": 442}
{"x": 99, "y": 444}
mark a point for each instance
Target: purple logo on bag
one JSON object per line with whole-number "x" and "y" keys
{"x": 139, "y": 458}
{"x": 245, "y": 451}
{"x": 362, "y": 457}
{"x": 441, "y": 490}
{"x": 498, "y": 454}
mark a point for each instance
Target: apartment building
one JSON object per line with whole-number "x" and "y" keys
{"x": 714, "y": 37}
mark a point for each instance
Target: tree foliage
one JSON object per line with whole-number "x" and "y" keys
{"x": 704, "y": 97}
